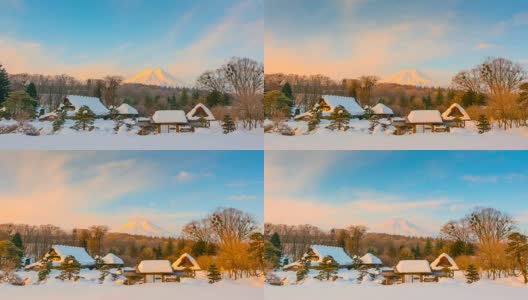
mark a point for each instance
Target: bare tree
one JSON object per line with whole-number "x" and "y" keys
{"x": 366, "y": 86}
{"x": 110, "y": 89}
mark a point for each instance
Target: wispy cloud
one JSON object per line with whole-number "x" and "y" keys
{"x": 184, "y": 177}
{"x": 494, "y": 178}
{"x": 483, "y": 46}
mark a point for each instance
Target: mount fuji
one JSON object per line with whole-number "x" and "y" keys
{"x": 157, "y": 77}
{"x": 410, "y": 77}
{"x": 141, "y": 226}
{"x": 399, "y": 226}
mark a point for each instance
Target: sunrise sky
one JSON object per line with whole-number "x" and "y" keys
{"x": 334, "y": 189}
{"x": 83, "y": 188}
{"x": 90, "y": 39}
{"x": 350, "y": 38}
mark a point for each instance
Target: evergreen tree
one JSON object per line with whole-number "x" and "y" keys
{"x": 339, "y": 119}
{"x": 303, "y": 270}
{"x": 315, "y": 119}
{"x": 428, "y": 248}
{"x": 427, "y": 102}
{"x": 17, "y": 241}
{"x": 228, "y": 124}
{"x": 31, "y": 89}
{"x": 287, "y": 91}
{"x": 356, "y": 262}
{"x": 439, "y": 99}
{"x": 84, "y": 119}
{"x": 59, "y": 122}
{"x": 256, "y": 249}
{"x": 213, "y": 99}
{"x": 276, "y": 242}
{"x": 517, "y": 250}
{"x": 171, "y": 101}
{"x": 368, "y": 113}
{"x": 213, "y": 274}
{"x": 472, "y": 274}
{"x": 4, "y": 85}
{"x": 44, "y": 272}
{"x": 168, "y": 249}
{"x": 20, "y": 106}
{"x": 70, "y": 269}
{"x": 195, "y": 95}
{"x": 328, "y": 268}
{"x": 184, "y": 98}
{"x": 271, "y": 255}
{"x": 483, "y": 124}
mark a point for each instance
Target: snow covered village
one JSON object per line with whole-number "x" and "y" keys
{"x": 414, "y": 84}
{"x": 438, "y": 230}
{"x": 104, "y": 239}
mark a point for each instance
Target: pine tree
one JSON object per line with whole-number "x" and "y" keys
{"x": 184, "y": 98}
{"x": 439, "y": 99}
{"x": 213, "y": 274}
{"x": 44, "y": 272}
{"x": 356, "y": 262}
{"x": 428, "y": 248}
{"x": 4, "y": 85}
{"x": 472, "y": 274}
{"x": 20, "y": 106}
{"x": 315, "y": 119}
{"x": 173, "y": 103}
{"x": 168, "y": 249}
{"x": 276, "y": 242}
{"x": 287, "y": 91}
{"x": 17, "y": 241}
{"x": 228, "y": 124}
{"x": 70, "y": 269}
{"x": 84, "y": 119}
{"x": 483, "y": 124}
{"x": 339, "y": 119}
{"x": 327, "y": 269}
{"x": 368, "y": 113}
{"x": 31, "y": 89}
{"x": 59, "y": 122}
{"x": 303, "y": 270}
{"x": 517, "y": 250}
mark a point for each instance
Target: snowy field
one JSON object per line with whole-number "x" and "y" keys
{"x": 348, "y": 287}
{"x": 105, "y": 138}
{"x": 90, "y": 288}
{"x": 358, "y": 137}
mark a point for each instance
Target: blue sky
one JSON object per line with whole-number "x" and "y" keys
{"x": 427, "y": 188}
{"x": 349, "y": 38}
{"x": 169, "y": 188}
{"x": 90, "y": 39}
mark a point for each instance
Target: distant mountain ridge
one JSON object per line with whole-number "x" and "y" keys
{"x": 409, "y": 77}
{"x": 400, "y": 226}
{"x": 157, "y": 77}
{"x": 141, "y": 226}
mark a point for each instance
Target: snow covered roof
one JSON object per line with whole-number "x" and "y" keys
{"x": 453, "y": 109}
{"x": 78, "y": 253}
{"x": 371, "y": 259}
{"x": 178, "y": 266}
{"x": 154, "y": 266}
{"x": 413, "y": 266}
{"x": 337, "y": 253}
{"x": 191, "y": 114}
{"x": 382, "y": 109}
{"x": 125, "y": 109}
{"x": 349, "y": 103}
{"x": 442, "y": 261}
{"x": 93, "y": 103}
{"x": 169, "y": 116}
{"x": 112, "y": 259}
{"x": 424, "y": 116}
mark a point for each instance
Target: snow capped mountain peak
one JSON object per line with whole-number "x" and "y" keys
{"x": 156, "y": 77}
{"x": 141, "y": 226}
{"x": 409, "y": 77}
{"x": 400, "y": 226}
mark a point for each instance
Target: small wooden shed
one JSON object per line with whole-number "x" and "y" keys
{"x": 154, "y": 269}
{"x": 413, "y": 270}
{"x": 170, "y": 121}
{"x": 425, "y": 119}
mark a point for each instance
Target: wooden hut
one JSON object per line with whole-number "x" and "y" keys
{"x": 456, "y": 116}
{"x": 186, "y": 264}
{"x": 72, "y": 103}
{"x": 171, "y": 121}
{"x": 381, "y": 110}
{"x": 112, "y": 261}
{"x": 425, "y": 119}
{"x": 200, "y": 116}
{"x": 369, "y": 260}
{"x": 127, "y": 111}
{"x": 444, "y": 265}
{"x": 154, "y": 269}
{"x": 414, "y": 270}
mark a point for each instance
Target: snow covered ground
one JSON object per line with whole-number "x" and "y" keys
{"x": 90, "y": 288}
{"x": 349, "y": 288}
{"x": 358, "y": 137}
{"x": 104, "y": 138}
